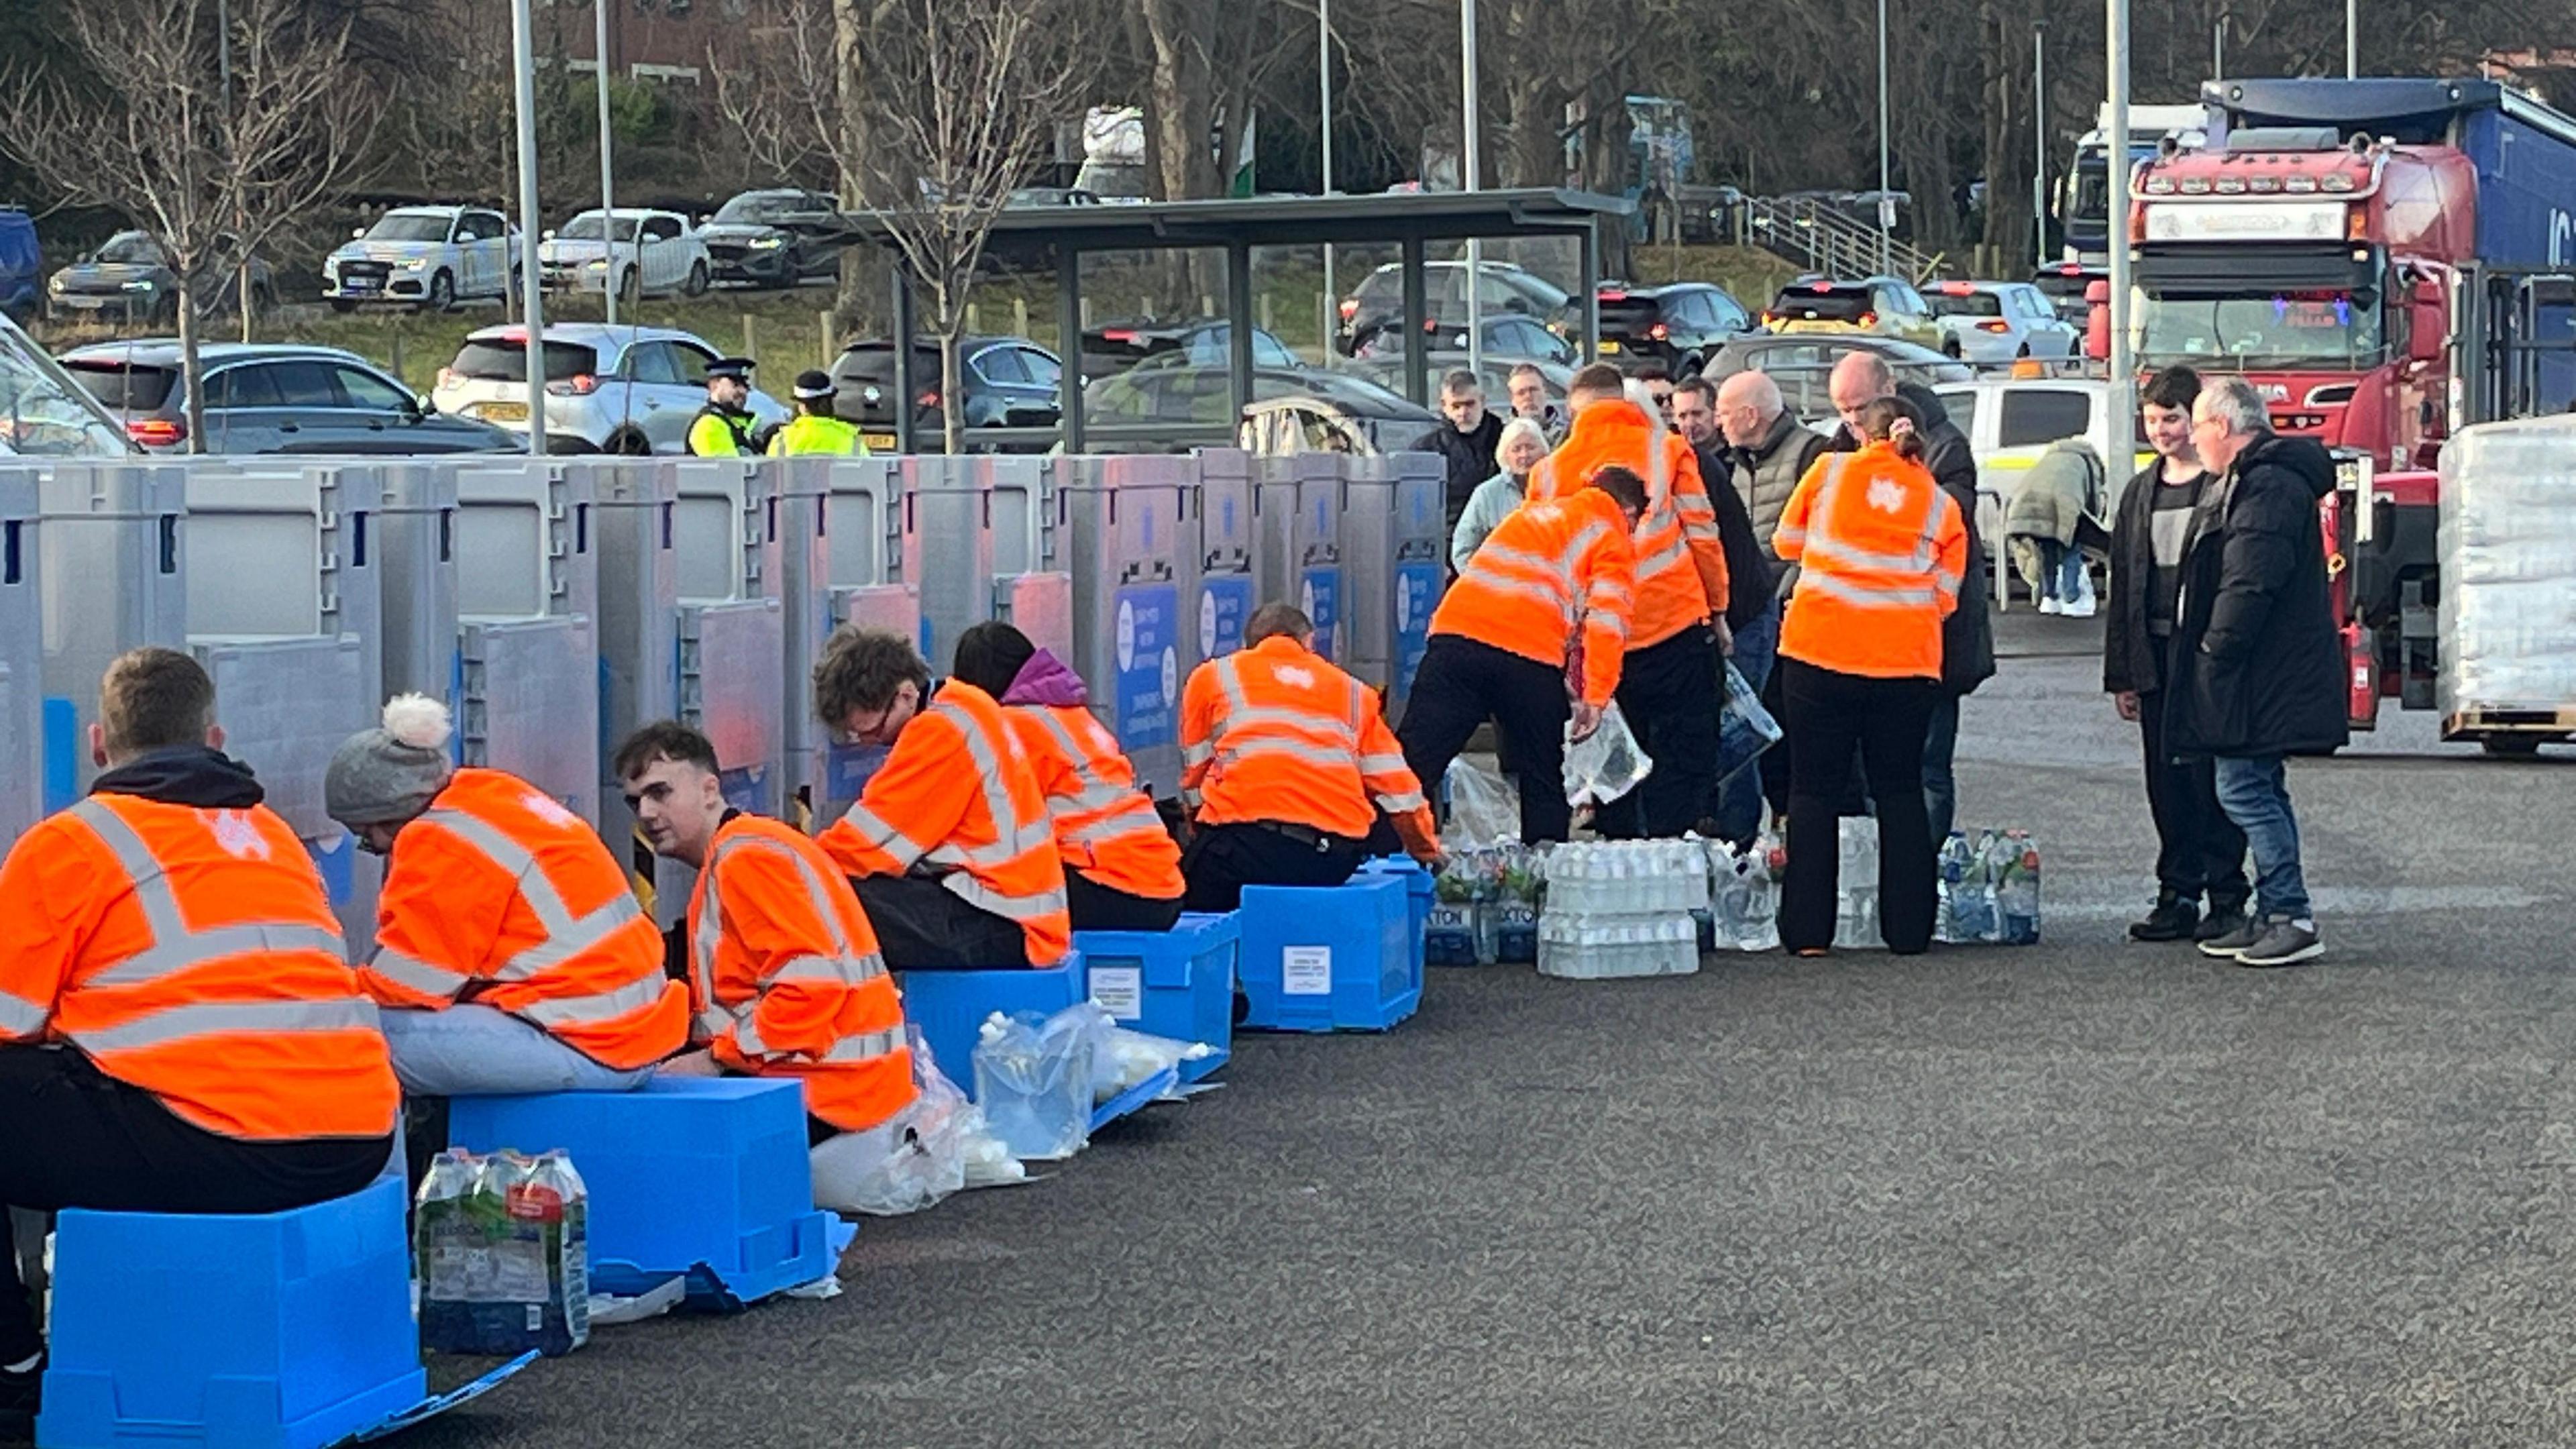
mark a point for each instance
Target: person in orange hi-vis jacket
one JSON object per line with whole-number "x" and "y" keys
{"x": 1540, "y": 613}
{"x": 1882, "y": 550}
{"x": 1669, "y": 686}
{"x": 511, "y": 954}
{"x": 1288, "y": 766}
{"x": 785, "y": 977}
{"x": 1122, "y": 869}
{"x": 180, "y": 1031}
{"x": 950, "y": 846}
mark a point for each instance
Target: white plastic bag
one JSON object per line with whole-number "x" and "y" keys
{"x": 1484, "y": 806}
{"x": 913, "y": 1159}
{"x": 1605, "y": 764}
{"x": 1033, "y": 1078}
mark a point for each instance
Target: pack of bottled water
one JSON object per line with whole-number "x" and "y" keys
{"x": 1623, "y": 908}
{"x": 1744, "y": 894}
{"x": 1989, "y": 888}
{"x": 1856, "y": 882}
{"x": 2508, "y": 598}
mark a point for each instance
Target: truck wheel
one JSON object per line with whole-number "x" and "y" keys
{"x": 2510, "y": 747}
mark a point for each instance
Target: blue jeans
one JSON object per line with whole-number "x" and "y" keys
{"x": 2061, "y": 571}
{"x": 477, "y": 1051}
{"x": 2254, "y": 790}
{"x": 1940, "y": 787}
{"x": 1738, "y": 811}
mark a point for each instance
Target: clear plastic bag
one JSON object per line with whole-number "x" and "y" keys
{"x": 1123, "y": 1060}
{"x": 1744, "y": 728}
{"x": 1484, "y": 806}
{"x": 1605, "y": 764}
{"x": 915, "y": 1158}
{"x": 1034, "y": 1077}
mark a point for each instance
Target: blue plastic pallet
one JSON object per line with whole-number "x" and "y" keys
{"x": 288, "y": 1330}
{"x": 705, "y": 1178}
{"x": 950, "y": 1006}
{"x": 1177, "y": 983}
{"x": 1337, "y": 958}
{"x": 1136, "y": 1098}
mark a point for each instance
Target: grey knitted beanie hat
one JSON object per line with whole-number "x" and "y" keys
{"x": 391, "y": 773}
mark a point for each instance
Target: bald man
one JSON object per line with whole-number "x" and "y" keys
{"x": 1767, "y": 451}
{"x": 1967, "y": 636}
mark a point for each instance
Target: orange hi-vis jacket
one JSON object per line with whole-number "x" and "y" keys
{"x": 1881, "y": 550}
{"x": 499, "y": 896}
{"x": 1105, "y": 827}
{"x": 1552, "y": 578}
{"x": 193, "y": 954}
{"x": 1274, "y": 732}
{"x": 955, "y": 794}
{"x": 1681, "y": 566}
{"x": 786, "y": 979}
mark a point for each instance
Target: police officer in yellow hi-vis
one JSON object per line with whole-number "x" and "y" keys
{"x": 723, "y": 428}
{"x": 815, "y": 429}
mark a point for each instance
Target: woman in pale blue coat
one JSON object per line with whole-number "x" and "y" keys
{"x": 1518, "y": 451}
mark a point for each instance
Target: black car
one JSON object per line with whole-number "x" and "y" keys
{"x": 1009, "y": 382}
{"x": 1113, "y": 347}
{"x": 1510, "y": 338}
{"x": 129, "y": 277}
{"x": 273, "y": 398}
{"x": 1503, "y": 288}
{"x": 1680, "y": 324}
{"x": 774, "y": 238}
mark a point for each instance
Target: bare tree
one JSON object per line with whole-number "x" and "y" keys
{"x": 778, "y": 89}
{"x": 971, "y": 90}
{"x": 209, "y": 174}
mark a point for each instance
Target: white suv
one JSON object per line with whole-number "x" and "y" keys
{"x": 653, "y": 252}
{"x": 608, "y": 389}
{"x": 425, "y": 256}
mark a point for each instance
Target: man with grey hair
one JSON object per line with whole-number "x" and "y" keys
{"x": 1767, "y": 451}
{"x": 2258, "y": 675}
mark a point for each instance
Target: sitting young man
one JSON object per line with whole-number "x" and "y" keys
{"x": 783, "y": 969}
{"x": 179, "y": 1028}
{"x": 950, "y": 846}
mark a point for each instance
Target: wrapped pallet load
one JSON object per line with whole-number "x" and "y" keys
{"x": 2509, "y": 574}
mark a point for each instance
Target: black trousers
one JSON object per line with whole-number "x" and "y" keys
{"x": 2199, "y": 851}
{"x": 72, "y": 1136}
{"x": 1459, "y": 685}
{"x": 1829, "y": 713}
{"x": 1669, "y": 692}
{"x": 1096, "y": 907}
{"x": 922, "y": 926}
{"x": 1223, "y": 859}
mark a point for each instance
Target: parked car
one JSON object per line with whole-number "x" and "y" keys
{"x": 22, "y": 265}
{"x": 44, "y": 412}
{"x": 1501, "y": 287}
{"x": 1510, "y": 336}
{"x": 1009, "y": 382}
{"x": 774, "y": 238}
{"x": 1052, "y": 196}
{"x": 620, "y": 389}
{"x": 2064, "y": 285}
{"x": 427, "y": 256}
{"x": 2001, "y": 322}
{"x": 129, "y": 276}
{"x": 272, "y": 398}
{"x": 1180, "y": 405}
{"x": 1886, "y": 306}
{"x": 1801, "y": 364}
{"x": 1307, "y": 423}
{"x": 656, "y": 253}
{"x": 1679, "y": 325}
{"x": 1116, "y": 346}
{"x": 1388, "y": 373}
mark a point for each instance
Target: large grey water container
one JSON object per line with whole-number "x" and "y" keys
{"x": 1297, "y": 541}
{"x": 113, "y": 578}
{"x": 413, "y": 536}
{"x": 1395, "y": 556}
{"x": 1126, "y": 530}
{"x": 529, "y": 684}
{"x": 1219, "y": 574}
{"x": 947, "y": 550}
{"x": 799, "y": 558}
{"x": 22, "y": 656}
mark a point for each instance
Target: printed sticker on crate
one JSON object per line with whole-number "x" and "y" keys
{"x": 1306, "y": 970}
{"x": 1120, "y": 990}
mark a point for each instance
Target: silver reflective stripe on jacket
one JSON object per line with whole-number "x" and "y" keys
{"x": 176, "y": 948}
{"x": 1014, "y": 836}
{"x": 846, "y": 964}
{"x": 260, "y": 1018}
{"x": 567, "y": 935}
{"x": 1239, "y": 712}
{"x": 21, "y": 1017}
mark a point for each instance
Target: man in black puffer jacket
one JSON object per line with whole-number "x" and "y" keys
{"x": 2257, "y": 672}
{"x": 1968, "y": 635}
{"x": 1466, "y": 442}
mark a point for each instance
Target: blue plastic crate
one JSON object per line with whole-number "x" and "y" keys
{"x": 1421, "y": 892}
{"x": 287, "y": 1330}
{"x": 1337, "y": 958}
{"x": 950, "y": 1006}
{"x": 1177, "y": 983}
{"x": 703, "y": 1177}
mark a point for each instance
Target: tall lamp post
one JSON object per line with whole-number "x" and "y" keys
{"x": 523, "y": 66}
{"x": 1468, "y": 181}
{"x": 1324, "y": 74}
{"x": 1886, "y": 203}
{"x": 2123, "y": 380}
{"x": 2039, "y": 143}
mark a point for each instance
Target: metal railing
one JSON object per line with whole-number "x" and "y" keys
{"x": 1829, "y": 240}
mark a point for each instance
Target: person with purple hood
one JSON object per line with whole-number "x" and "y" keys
{"x": 1122, "y": 871}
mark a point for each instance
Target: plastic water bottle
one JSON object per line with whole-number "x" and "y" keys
{"x": 1992, "y": 850}
{"x": 501, "y": 1245}
{"x": 2017, "y": 890}
{"x": 1952, "y": 877}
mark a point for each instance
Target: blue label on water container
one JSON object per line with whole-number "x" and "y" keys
{"x": 1149, "y": 665}
{"x": 1320, "y": 596}
{"x": 62, "y": 751}
{"x": 1225, "y": 602}
{"x": 847, "y": 769}
{"x": 747, "y": 788}
{"x": 1417, "y": 592}
{"x": 336, "y": 863}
